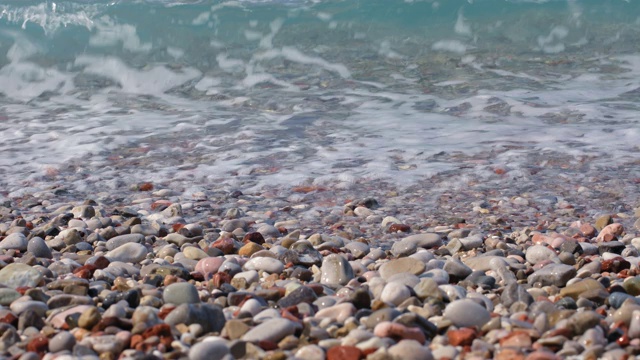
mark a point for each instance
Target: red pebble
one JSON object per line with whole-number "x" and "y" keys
{"x": 225, "y": 245}
{"x": 38, "y": 344}
{"x": 344, "y": 353}
{"x": 267, "y": 345}
{"x": 399, "y": 227}
{"x": 145, "y": 186}
{"x": 461, "y": 337}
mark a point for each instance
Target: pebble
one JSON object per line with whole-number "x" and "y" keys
{"x": 336, "y": 270}
{"x": 402, "y": 265}
{"x": 271, "y": 330}
{"x": 20, "y": 275}
{"x": 39, "y": 248}
{"x": 15, "y": 241}
{"x": 395, "y": 293}
{"x": 181, "y": 293}
{"x": 466, "y": 313}
{"x": 128, "y": 253}
{"x": 552, "y": 274}
{"x": 209, "y": 349}
{"x": 425, "y": 240}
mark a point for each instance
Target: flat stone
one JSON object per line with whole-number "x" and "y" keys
{"x": 466, "y": 313}
{"x": 301, "y": 294}
{"x": 128, "y": 253}
{"x": 553, "y": 274}
{"x": 20, "y": 275}
{"x": 403, "y": 265}
{"x": 181, "y": 293}
{"x": 574, "y": 290}
{"x": 14, "y": 241}
{"x": 425, "y": 240}
{"x": 120, "y": 240}
{"x": 404, "y": 248}
{"x": 271, "y": 330}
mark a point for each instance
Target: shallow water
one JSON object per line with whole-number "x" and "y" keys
{"x": 253, "y": 94}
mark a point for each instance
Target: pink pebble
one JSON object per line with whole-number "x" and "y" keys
{"x": 209, "y": 266}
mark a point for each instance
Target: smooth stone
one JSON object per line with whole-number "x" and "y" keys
{"x": 358, "y": 249}
{"x": 38, "y": 247}
{"x": 395, "y": 293}
{"x": 575, "y": 289}
{"x": 209, "y": 266}
{"x": 403, "y": 248}
{"x": 193, "y": 253}
{"x": 271, "y": 330}
{"x": 335, "y": 271}
{"x": 471, "y": 242}
{"x": 14, "y": 241}
{"x": 209, "y": 349}
{"x": 553, "y": 274}
{"x": 20, "y": 275}
{"x": 632, "y": 286}
{"x": 181, "y": 293}
{"x": 403, "y": 265}
{"x": 297, "y": 296}
{"x": 7, "y": 296}
{"x": 128, "y": 253}
{"x": 268, "y": 231}
{"x": 18, "y": 307}
{"x": 267, "y": 264}
{"x": 378, "y": 316}
{"x": 120, "y": 240}
{"x": 466, "y": 313}
{"x": 538, "y": 253}
{"x": 425, "y": 240}
{"x": 616, "y": 299}
{"x": 456, "y": 269}
{"x": 62, "y": 341}
{"x": 310, "y": 352}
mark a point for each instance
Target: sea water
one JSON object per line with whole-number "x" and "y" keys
{"x": 280, "y": 93}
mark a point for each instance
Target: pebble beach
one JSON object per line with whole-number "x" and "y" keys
{"x": 315, "y": 273}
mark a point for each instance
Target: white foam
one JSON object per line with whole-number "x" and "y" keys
{"x": 454, "y": 46}
{"x": 156, "y": 80}
{"x": 109, "y": 33}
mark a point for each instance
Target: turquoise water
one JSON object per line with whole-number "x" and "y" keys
{"x": 255, "y": 93}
